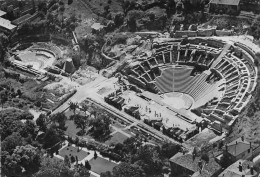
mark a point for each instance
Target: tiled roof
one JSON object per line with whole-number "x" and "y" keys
{"x": 239, "y": 146}
{"x": 233, "y": 170}
{"x": 6, "y": 24}
{"x": 226, "y": 2}
{"x": 2, "y": 13}
{"x": 187, "y": 162}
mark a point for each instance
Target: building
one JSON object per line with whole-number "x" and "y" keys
{"x": 2, "y": 13}
{"x": 231, "y": 7}
{"x": 6, "y": 26}
{"x": 22, "y": 20}
{"x": 186, "y": 164}
{"x": 97, "y": 28}
{"x": 241, "y": 168}
{"x": 240, "y": 149}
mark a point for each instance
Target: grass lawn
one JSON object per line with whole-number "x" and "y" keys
{"x": 100, "y": 165}
{"x": 72, "y": 130}
{"x": 72, "y": 151}
{"x": 116, "y": 138}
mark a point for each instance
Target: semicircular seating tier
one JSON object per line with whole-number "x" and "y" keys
{"x": 197, "y": 67}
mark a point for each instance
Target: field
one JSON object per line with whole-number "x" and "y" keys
{"x": 97, "y": 6}
{"x": 73, "y": 151}
{"x": 116, "y": 138}
{"x": 100, "y": 165}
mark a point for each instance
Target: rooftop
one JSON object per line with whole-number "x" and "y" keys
{"x": 97, "y": 26}
{"x": 226, "y": 2}
{"x": 2, "y": 13}
{"x": 233, "y": 170}
{"x": 239, "y": 146}
{"x": 186, "y": 161}
{"x": 6, "y": 24}
{"x": 21, "y": 19}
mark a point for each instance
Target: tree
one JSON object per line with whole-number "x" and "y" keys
{"x": 52, "y": 137}
{"x": 194, "y": 153}
{"x": 4, "y": 99}
{"x": 205, "y": 157}
{"x": 131, "y": 145}
{"x": 70, "y": 2}
{"x": 81, "y": 171}
{"x": 41, "y": 122}
{"x": 106, "y": 174}
{"x": 148, "y": 158}
{"x": 106, "y": 9}
{"x": 95, "y": 155}
{"x": 226, "y": 160}
{"x": 133, "y": 16}
{"x": 126, "y": 5}
{"x": 87, "y": 165}
{"x": 100, "y": 127}
{"x": 10, "y": 122}
{"x": 255, "y": 27}
{"x": 11, "y": 142}
{"x": 53, "y": 168}
{"x": 73, "y": 107}
{"x": 23, "y": 158}
{"x": 126, "y": 169}
{"x": 84, "y": 108}
{"x": 76, "y": 141}
{"x": 67, "y": 161}
{"x": 119, "y": 19}
{"x": 168, "y": 150}
{"x": 29, "y": 129}
{"x": 81, "y": 122}
{"x": 4, "y": 40}
{"x": 42, "y": 6}
{"x": 19, "y": 92}
{"x": 60, "y": 118}
{"x": 170, "y": 7}
{"x": 72, "y": 159}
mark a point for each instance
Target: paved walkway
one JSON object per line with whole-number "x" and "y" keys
{"x": 80, "y": 95}
{"x": 120, "y": 131}
{"x": 129, "y": 126}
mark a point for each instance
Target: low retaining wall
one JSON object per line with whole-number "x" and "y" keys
{"x": 203, "y": 33}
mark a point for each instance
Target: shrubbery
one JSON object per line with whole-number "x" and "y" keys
{"x": 111, "y": 155}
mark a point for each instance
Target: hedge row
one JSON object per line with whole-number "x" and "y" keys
{"x": 64, "y": 100}
{"x": 104, "y": 150}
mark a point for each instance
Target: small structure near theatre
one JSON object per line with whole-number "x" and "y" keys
{"x": 240, "y": 168}
{"x": 225, "y": 6}
{"x": 69, "y": 66}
